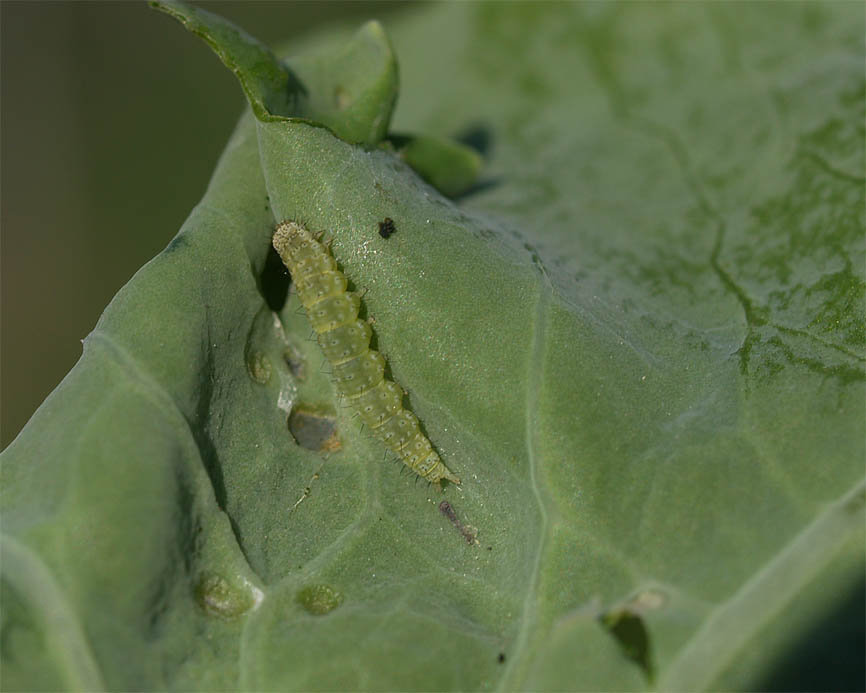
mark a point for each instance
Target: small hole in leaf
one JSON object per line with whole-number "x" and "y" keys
{"x": 479, "y": 137}
{"x": 274, "y": 282}
{"x": 630, "y": 632}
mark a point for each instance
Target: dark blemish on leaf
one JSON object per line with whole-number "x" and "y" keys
{"x": 314, "y": 430}
{"x": 448, "y": 511}
{"x": 295, "y": 362}
{"x": 332, "y": 444}
{"x": 387, "y": 228}
{"x": 501, "y": 658}
{"x": 177, "y": 243}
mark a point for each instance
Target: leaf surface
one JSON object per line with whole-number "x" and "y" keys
{"x": 639, "y": 340}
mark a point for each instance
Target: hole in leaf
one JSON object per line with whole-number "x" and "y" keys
{"x": 479, "y": 137}
{"x": 274, "y": 282}
{"x": 630, "y": 632}
{"x": 828, "y": 654}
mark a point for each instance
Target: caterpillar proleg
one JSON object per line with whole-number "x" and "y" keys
{"x": 345, "y": 341}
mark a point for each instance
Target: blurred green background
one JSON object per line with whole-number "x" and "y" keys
{"x": 112, "y": 119}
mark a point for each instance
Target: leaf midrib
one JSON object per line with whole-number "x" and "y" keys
{"x": 735, "y": 622}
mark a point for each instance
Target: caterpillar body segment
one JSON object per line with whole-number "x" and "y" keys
{"x": 399, "y": 430}
{"x": 380, "y": 403}
{"x": 313, "y": 288}
{"x": 334, "y": 311}
{"x": 359, "y": 372}
{"x": 345, "y": 342}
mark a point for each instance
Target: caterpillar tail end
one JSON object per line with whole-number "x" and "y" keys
{"x": 440, "y": 472}
{"x": 453, "y": 478}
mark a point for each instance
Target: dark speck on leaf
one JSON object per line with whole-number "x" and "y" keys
{"x": 501, "y": 658}
{"x": 448, "y": 511}
{"x": 177, "y": 243}
{"x": 387, "y": 228}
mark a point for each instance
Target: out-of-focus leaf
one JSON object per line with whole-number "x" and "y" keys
{"x": 351, "y": 91}
{"x": 267, "y": 84}
{"x": 450, "y": 167}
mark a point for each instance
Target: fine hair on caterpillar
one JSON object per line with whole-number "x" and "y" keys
{"x": 358, "y": 371}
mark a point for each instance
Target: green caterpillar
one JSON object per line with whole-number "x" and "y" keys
{"x": 345, "y": 341}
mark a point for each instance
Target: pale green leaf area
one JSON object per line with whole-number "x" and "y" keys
{"x": 639, "y": 340}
